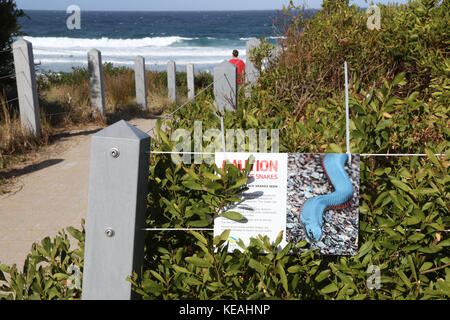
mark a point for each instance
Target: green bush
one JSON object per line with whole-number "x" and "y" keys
{"x": 399, "y": 104}
{"x": 52, "y": 270}
{"x": 9, "y": 28}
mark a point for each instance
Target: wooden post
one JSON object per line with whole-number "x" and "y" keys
{"x": 116, "y": 211}
{"x": 172, "y": 81}
{"x": 225, "y": 86}
{"x": 190, "y": 80}
{"x": 96, "y": 81}
{"x": 139, "y": 72}
{"x": 26, "y": 86}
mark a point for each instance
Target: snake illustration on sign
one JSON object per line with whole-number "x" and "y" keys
{"x": 311, "y": 212}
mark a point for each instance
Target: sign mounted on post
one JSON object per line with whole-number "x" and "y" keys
{"x": 264, "y": 205}
{"x": 312, "y": 197}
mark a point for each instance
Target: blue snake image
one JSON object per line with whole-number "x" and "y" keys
{"x": 311, "y": 212}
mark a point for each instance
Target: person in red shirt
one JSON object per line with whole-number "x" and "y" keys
{"x": 239, "y": 64}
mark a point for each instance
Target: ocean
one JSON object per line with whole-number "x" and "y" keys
{"x": 203, "y": 38}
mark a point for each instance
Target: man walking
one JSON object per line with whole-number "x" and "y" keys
{"x": 239, "y": 64}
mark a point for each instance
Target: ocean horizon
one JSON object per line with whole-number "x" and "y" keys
{"x": 204, "y": 38}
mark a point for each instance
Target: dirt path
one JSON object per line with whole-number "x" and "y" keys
{"x": 48, "y": 195}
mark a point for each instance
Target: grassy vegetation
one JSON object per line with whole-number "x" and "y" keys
{"x": 399, "y": 101}
{"x": 64, "y": 100}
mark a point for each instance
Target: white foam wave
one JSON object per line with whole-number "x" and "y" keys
{"x": 62, "y": 53}
{"x": 65, "y": 42}
{"x": 272, "y": 38}
{"x": 154, "y": 52}
{"x": 149, "y": 63}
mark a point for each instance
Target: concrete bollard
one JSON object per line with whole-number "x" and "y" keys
{"x": 26, "y": 86}
{"x": 96, "y": 81}
{"x": 225, "y": 86}
{"x": 190, "y": 80}
{"x": 141, "y": 91}
{"x": 116, "y": 214}
{"x": 251, "y": 71}
{"x": 172, "y": 81}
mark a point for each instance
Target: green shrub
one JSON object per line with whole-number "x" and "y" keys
{"x": 397, "y": 197}
{"x": 52, "y": 270}
{"x": 9, "y": 28}
{"x": 399, "y": 104}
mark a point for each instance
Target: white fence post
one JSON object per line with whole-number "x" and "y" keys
{"x": 172, "y": 81}
{"x": 251, "y": 72}
{"x": 225, "y": 86}
{"x": 26, "y": 86}
{"x": 116, "y": 211}
{"x": 96, "y": 80}
{"x": 139, "y": 72}
{"x": 190, "y": 80}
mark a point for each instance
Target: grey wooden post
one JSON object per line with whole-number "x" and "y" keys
{"x": 190, "y": 80}
{"x": 251, "y": 71}
{"x": 172, "y": 81}
{"x": 96, "y": 81}
{"x": 26, "y": 86}
{"x": 118, "y": 179}
{"x": 225, "y": 86}
{"x": 139, "y": 72}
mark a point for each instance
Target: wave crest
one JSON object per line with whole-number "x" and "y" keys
{"x": 66, "y": 42}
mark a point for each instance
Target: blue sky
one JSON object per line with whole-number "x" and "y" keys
{"x": 151, "y": 5}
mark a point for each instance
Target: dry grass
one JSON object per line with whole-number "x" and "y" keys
{"x": 13, "y": 138}
{"x": 65, "y": 106}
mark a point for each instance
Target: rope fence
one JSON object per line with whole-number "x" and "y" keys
{"x": 186, "y": 103}
{"x": 177, "y": 229}
{"x": 119, "y": 191}
{"x": 10, "y": 100}
{"x": 361, "y": 154}
{"x": 347, "y": 121}
{"x": 416, "y": 230}
{"x": 12, "y": 76}
{"x": 399, "y": 155}
{"x": 57, "y": 114}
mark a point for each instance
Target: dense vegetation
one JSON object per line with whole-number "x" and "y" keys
{"x": 399, "y": 101}
{"x": 9, "y": 27}
{"x": 64, "y": 101}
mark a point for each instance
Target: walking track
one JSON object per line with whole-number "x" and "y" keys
{"x": 49, "y": 195}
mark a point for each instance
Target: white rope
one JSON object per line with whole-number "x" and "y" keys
{"x": 178, "y": 152}
{"x": 185, "y": 104}
{"x": 347, "y": 116}
{"x": 8, "y": 101}
{"x": 417, "y": 230}
{"x": 212, "y": 229}
{"x": 177, "y": 229}
{"x": 12, "y": 75}
{"x": 362, "y": 154}
{"x": 398, "y": 155}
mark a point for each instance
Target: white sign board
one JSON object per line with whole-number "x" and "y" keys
{"x": 312, "y": 197}
{"x": 264, "y": 205}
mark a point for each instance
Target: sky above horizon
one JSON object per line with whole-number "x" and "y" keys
{"x": 179, "y": 5}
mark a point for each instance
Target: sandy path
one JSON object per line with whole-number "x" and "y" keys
{"x": 51, "y": 197}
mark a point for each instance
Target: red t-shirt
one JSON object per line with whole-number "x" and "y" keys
{"x": 240, "y": 65}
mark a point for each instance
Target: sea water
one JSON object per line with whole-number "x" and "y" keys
{"x": 203, "y": 38}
